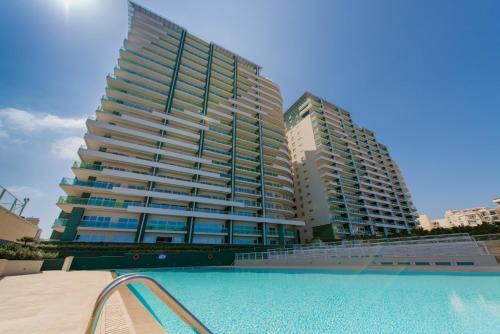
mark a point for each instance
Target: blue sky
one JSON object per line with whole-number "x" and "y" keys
{"x": 424, "y": 75}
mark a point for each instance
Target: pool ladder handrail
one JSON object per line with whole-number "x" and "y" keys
{"x": 173, "y": 304}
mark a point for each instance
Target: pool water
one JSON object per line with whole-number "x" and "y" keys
{"x": 328, "y": 301}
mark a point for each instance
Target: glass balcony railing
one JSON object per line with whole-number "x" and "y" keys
{"x": 341, "y": 230}
{"x": 206, "y": 229}
{"x": 110, "y": 225}
{"x": 160, "y": 227}
{"x": 247, "y": 214}
{"x": 95, "y": 202}
{"x": 93, "y": 184}
{"x": 84, "y": 165}
{"x": 247, "y": 231}
{"x": 60, "y": 222}
{"x": 338, "y": 218}
{"x": 228, "y": 153}
{"x": 272, "y": 232}
{"x": 256, "y": 160}
{"x": 246, "y": 179}
{"x": 289, "y": 233}
{"x": 247, "y": 191}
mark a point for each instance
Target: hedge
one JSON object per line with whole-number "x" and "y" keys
{"x": 18, "y": 252}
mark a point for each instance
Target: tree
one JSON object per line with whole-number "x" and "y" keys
{"x": 25, "y": 240}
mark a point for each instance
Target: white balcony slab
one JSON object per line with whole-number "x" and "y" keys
{"x": 208, "y": 215}
{"x": 141, "y": 162}
{"x": 163, "y": 180}
{"x": 172, "y": 196}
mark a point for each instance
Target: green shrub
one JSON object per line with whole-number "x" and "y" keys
{"x": 18, "y": 252}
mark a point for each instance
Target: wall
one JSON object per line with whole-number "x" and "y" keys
{"x": 152, "y": 260}
{"x": 18, "y": 267}
{"x": 13, "y": 227}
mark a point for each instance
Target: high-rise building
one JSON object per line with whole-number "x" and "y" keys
{"x": 187, "y": 146}
{"x": 346, "y": 183}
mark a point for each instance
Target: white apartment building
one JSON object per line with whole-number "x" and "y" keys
{"x": 463, "y": 217}
{"x": 427, "y": 223}
{"x": 472, "y": 216}
{"x": 187, "y": 146}
{"x": 346, "y": 183}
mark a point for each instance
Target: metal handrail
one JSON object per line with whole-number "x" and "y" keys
{"x": 157, "y": 289}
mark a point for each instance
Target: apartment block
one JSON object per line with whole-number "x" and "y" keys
{"x": 187, "y": 146}
{"x": 472, "y": 216}
{"x": 346, "y": 183}
{"x": 425, "y": 222}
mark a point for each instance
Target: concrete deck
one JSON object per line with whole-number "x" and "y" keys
{"x": 59, "y": 302}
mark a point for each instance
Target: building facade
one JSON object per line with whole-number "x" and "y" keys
{"x": 13, "y": 225}
{"x": 425, "y": 222}
{"x": 472, "y": 216}
{"x": 187, "y": 146}
{"x": 346, "y": 183}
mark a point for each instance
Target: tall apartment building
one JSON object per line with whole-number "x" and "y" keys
{"x": 346, "y": 183}
{"x": 187, "y": 146}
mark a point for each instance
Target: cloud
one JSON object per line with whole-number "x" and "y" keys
{"x": 21, "y": 127}
{"x": 24, "y": 191}
{"x": 67, "y": 148}
{"x": 16, "y": 119}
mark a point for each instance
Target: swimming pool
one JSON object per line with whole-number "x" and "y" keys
{"x": 328, "y": 301}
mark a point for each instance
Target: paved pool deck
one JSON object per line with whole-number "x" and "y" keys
{"x": 59, "y": 302}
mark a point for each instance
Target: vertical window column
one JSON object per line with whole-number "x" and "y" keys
{"x": 262, "y": 184}
{"x": 194, "y": 191}
{"x": 141, "y": 227}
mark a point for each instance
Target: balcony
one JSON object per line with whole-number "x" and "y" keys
{"x": 247, "y": 231}
{"x": 60, "y": 224}
{"x": 66, "y": 203}
{"x": 109, "y": 225}
{"x": 159, "y": 227}
{"x": 210, "y": 229}
{"x": 92, "y": 184}
{"x": 272, "y": 232}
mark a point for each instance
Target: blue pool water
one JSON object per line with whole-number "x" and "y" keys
{"x": 329, "y": 301}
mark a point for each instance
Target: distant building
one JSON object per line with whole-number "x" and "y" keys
{"x": 463, "y": 217}
{"x": 472, "y": 216}
{"x": 427, "y": 223}
{"x": 13, "y": 225}
{"x": 33, "y": 220}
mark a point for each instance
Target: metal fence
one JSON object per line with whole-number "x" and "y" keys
{"x": 461, "y": 244}
{"x": 11, "y": 202}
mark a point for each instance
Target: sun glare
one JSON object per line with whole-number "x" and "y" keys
{"x": 69, "y": 4}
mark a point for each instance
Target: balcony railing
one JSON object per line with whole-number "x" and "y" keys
{"x": 247, "y": 231}
{"x": 110, "y": 225}
{"x": 159, "y": 227}
{"x": 215, "y": 229}
{"x": 60, "y": 222}
{"x": 93, "y": 202}
{"x": 78, "y": 164}
{"x": 93, "y": 184}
